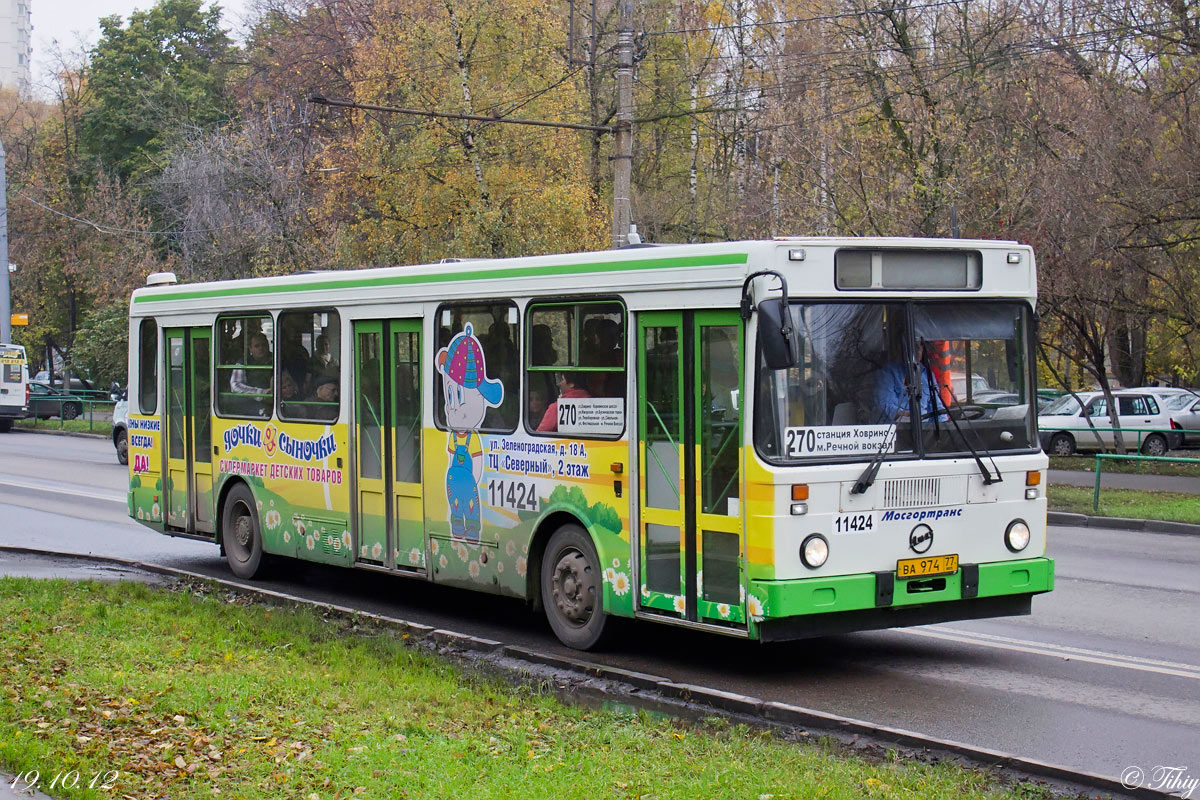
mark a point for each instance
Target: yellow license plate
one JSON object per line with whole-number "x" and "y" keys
{"x": 923, "y": 567}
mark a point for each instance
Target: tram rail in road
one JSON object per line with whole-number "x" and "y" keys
{"x": 640, "y": 689}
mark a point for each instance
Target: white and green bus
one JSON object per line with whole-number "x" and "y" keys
{"x": 14, "y": 385}
{"x": 767, "y": 439}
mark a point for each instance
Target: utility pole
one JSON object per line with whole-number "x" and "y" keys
{"x": 5, "y": 299}
{"x": 623, "y": 142}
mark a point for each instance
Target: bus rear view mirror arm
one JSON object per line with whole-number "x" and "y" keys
{"x": 776, "y": 337}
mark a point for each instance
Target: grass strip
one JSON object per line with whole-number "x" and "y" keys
{"x": 81, "y": 425}
{"x": 188, "y": 693}
{"x": 1131, "y": 503}
{"x": 1087, "y": 463}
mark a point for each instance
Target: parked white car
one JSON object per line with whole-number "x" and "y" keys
{"x": 1063, "y": 426}
{"x": 1184, "y": 410}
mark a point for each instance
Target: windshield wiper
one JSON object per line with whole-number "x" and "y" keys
{"x": 868, "y": 476}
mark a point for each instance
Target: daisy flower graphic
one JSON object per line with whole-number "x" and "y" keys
{"x": 680, "y": 604}
{"x": 433, "y": 546}
{"x": 346, "y": 539}
{"x": 620, "y": 584}
{"x": 522, "y": 565}
{"x": 414, "y": 556}
{"x": 723, "y": 610}
{"x": 155, "y": 511}
{"x": 755, "y": 608}
{"x": 273, "y": 519}
{"x": 310, "y": 542}
{"x": 287, "y": 536}
{"x": 376, "y": 551}
{"x": 461, "y": 549}
{"x": 617, "y": 563}
{"x": 609, "y": 575}
{"x": 645, "y": 592}
{"x": 335, "y": 542}
{"x": 499, "y": 566}
{"x": 510, "y": 547}
{"x": 473, "y": 569}
{"x": 442, "y": 562}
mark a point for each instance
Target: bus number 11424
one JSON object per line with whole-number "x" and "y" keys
{"x": 517, "y": 495}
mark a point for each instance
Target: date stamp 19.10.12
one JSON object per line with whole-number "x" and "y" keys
{"x": 65, "y": 779}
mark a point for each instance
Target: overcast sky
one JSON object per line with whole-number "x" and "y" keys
{"x": 72, "y": 22}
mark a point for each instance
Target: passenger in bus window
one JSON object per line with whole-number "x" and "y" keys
{"x": 324, "y": 364}
{"x": 254, "y": 381}
{"x": 570, "y": 385}
{"x": 537, "y": 401}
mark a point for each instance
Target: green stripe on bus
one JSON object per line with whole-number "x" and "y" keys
{"x": 729, "y": 259}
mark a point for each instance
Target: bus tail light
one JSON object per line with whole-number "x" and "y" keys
{"x": 814, "y": 551}
{"x": 1016, "y": 536}
{"x": 1175, "y": 426}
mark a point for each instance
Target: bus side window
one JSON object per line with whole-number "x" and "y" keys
{"x": 576, "y": 352}
{"x": 309, "y": 379}
{"x": 494, "y": 328}
{"x": 147, "y": 392}
{"x": 245, "y": 367}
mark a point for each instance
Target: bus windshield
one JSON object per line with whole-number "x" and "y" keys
{"x": 866, "y": 368}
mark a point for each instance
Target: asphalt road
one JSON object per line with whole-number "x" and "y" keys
{"x": 1103, "y": 676}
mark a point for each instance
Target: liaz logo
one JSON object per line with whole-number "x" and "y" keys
{"x": 242, "y": 434}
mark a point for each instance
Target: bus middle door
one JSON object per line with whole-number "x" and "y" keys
{"x": 390, "y": 516}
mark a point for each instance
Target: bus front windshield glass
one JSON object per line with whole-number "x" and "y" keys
{"x": 911, "y": 379}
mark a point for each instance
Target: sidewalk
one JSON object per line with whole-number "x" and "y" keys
{"x": 1121, "y": 480}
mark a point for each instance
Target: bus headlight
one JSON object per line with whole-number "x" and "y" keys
{"x": 814, "y": 551}
{"x": 1016, "y": 538}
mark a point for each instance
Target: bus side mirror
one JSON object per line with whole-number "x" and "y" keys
{"x": 776, "y": 337}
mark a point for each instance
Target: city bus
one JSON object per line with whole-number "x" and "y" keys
{"x": 14, "y": 385}
{"x": 770, "y": 439}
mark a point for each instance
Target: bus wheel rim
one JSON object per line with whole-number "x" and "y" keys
{"x": 573, "y": 586}
{"x": 243, "y": 528}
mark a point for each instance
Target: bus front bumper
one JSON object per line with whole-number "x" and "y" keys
{"x": 808, "y": 607}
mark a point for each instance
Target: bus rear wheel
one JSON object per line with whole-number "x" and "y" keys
{"x": 241, "y": 536}
{"x": 5, "y": 425}
{"x": 573, "y": 588}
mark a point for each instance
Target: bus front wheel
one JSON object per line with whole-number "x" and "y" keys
{"x": 573, "y": 588}
{"x": 240, "y": 534}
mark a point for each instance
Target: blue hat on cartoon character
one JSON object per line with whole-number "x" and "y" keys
{"x": 462, "y": 362}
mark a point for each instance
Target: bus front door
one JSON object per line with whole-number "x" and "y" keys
{"x": 691, "y": 535}
{"x": 188, "y": 489}
{"x": 390, "y": 529}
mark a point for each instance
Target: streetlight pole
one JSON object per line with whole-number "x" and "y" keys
{"x": 623, "y": 143}
{"x": 5, "y": 299}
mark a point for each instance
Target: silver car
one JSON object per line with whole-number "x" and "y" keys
{"x": 1063, "y": 428}
{"x": 1184, "y": 411}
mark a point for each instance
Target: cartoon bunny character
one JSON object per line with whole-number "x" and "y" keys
{"x": 469, "y": 394}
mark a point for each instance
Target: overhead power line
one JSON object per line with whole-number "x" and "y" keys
{"x": 420, "y": 112}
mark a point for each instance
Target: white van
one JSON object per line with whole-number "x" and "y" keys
{"x": 14, "y": 385}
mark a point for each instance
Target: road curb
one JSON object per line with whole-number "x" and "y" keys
{"x": 629, "y": 686}
{"x": 1122, "y": 523}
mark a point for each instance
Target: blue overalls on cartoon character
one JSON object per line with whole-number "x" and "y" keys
{"x": 469, "y": 394}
